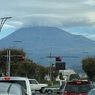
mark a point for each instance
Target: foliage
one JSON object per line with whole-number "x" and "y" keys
{"x": 61, "y": 76}
{"x": 74, "y": 76}
{"x": 25, "y": 68}
{"x": 88, "y": 65}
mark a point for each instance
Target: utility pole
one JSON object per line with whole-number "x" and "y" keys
{"x": 9, "y": 61}
{"x": 15, "y": 43}
{"x": 51, "y": 65}
{"x": 50, "y": 57}
{"x": 3, "y": 21}
{"x": 9, "y": 58}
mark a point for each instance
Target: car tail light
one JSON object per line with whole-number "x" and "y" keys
{"x": 6, "y": 78}
{"x": 79, "y": 82}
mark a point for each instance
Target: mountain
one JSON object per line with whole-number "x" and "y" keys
{"x": 39, "y": 42}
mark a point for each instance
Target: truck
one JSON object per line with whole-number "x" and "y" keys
{"x": 23, "y": 81}
{"x": 36, "y": 86}
{"x": 54, "y": 88}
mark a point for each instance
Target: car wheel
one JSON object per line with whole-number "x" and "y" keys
{"x": 49, "y": 91}
{"x": 42, "y": 90}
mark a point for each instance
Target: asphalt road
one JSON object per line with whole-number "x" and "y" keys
{"x": 37, "y": 93}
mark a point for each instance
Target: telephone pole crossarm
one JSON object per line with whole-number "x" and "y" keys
{"x": 3, "y": 21}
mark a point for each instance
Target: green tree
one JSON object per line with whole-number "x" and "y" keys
{"x": 61, "y": 76}
{"x": 88, "y": 65}
{"x": 26, "y": 67}
{"x": 74, "y": 76}
{"x": 14, "y": 58}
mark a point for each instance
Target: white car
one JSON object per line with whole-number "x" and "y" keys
{"x": 23, "y": 81}
{"x": 36, "y": 86}
{"x": 11, "y": 89}
{"x": 91, "y": 92}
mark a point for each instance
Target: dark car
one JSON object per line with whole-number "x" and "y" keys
{"x": 11, "y": 89}
{"x": 75, "y": 88}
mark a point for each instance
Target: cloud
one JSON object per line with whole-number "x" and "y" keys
{"x": 90, "y": 2}
{"x": 62, "y": 11}
{"x": 58, "y": 13}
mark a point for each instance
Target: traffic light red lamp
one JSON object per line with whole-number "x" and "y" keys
{"x": 58, "y": 58}
{"x": 21, "y": 57}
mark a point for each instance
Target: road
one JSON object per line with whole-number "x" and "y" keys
{"x": 37, "y": 93}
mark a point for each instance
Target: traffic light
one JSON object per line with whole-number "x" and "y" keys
{"x": 21, "y": 57}
{"x": 58, "y": 58}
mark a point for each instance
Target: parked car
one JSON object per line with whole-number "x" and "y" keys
{"x": 36, "y": 86}
{"x": 75, "y": 88}
{"x": 11, "y": 89}
{"x": 91, "y": 92}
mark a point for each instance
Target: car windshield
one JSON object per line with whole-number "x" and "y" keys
{"x": 20, "y": 82}
{"x": 74, "y": 88}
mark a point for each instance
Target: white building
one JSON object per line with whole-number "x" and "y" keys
{"x": 66, "y": 74}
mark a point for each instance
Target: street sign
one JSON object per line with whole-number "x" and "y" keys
{"x": 60, "y": 65}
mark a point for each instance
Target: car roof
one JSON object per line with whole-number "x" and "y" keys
{"x": 32, "y": 79}
{"x": 13, "y": 78}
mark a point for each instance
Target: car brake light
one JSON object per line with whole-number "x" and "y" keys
{"x": 79, "y": 82}
{"x": 6, "y": 78}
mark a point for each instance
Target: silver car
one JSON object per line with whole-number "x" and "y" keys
{"x": 11, "y": 89}
{"x": 91, "y": 92}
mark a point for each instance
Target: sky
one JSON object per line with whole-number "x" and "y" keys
{"x": 74, "y": 16}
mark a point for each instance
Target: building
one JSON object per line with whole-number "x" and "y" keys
{"x": 66, "y": 74}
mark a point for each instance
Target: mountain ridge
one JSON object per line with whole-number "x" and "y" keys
{"x": 40, "y": 41}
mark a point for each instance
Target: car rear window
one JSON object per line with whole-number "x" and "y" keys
{"x": 78, "y": 87}
{"x": 33, "y": 82}
{"x": 20, "y": 82}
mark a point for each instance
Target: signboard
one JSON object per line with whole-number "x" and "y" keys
{"x": 60, "y": 65}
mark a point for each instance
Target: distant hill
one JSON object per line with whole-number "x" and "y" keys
{"x": 39, "y": 42}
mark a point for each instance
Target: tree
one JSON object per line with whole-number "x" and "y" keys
{"x": 88, "y": 65}
{"x": 74, "y": 76}
{"x": 61, "y": 76}
{"x": 15, "y": 53}
{"x": 25, "y": 68}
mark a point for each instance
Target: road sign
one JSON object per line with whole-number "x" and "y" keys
{"x": 60, "y": 65}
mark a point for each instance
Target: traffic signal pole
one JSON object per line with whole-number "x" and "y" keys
{"x": 59, "y": 65}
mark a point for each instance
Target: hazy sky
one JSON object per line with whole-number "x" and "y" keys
{"x": 74, "y": 16}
